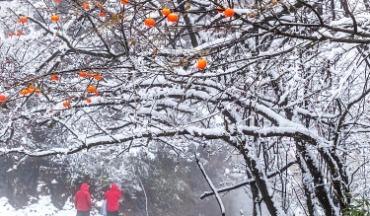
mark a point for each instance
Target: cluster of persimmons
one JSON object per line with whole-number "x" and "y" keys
{"x": 149, "y": 22}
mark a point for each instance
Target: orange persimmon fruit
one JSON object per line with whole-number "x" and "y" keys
{"x": 202, "y": 63}
{"x": 102, "y": 14}
{"x": 54, "y": 77}
{"x": 3, "y": 98}
{"x": 55, "y": 18}
{"x": 149, "y": 22}
{"x": 98, "y": 77}
{"x": 125, "y": 2}
{"x": 67, "y": 104}
{"x": 91, "y": 89}
{"x": 229, "y": 12}
{"x": 31, "y": 88}
{"x": 24, "y": 92}
{"x": 82, "y": 74}
{"x": 166, "y": 11}
{"x": 86, "y": 6}
{"x": 172, "y": 17}
{"x": 22, "y": 19}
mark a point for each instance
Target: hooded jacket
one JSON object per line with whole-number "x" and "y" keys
{"x": 83, "y": 199}
{"x": 112, "y": 196}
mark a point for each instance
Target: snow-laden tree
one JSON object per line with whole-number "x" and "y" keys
{"x": 286, "y": 87}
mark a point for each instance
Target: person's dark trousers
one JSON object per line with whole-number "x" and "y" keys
{"x": 112, "y": 213}
{"x": 79, "y": 213}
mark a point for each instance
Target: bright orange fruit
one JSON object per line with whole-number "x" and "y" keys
{"x": 31, "y": 88}
{"x": 229, "y": 12}
{"x": 201, "y": 64}
{"x": 98, "y": 77}
{"x": 3, "y": 98}
{"x": 86, "y": 6}
{"x": 24, "y": 92}
{"x": 55, "y": 18}
{"x": 82, "y": 74}
{"x": 54, "y": 77}
{"x": 166, "y": 11}
{"x": 149, "y": 22}
{"x": 125, "y": 2}
{"x": 67, "y": 104}
{"x": 172, "y": 17}
{"x": 22, "y": 20}
{"x": 91, "y": 89}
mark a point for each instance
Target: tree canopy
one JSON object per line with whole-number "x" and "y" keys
{"x": 283, "y": 83}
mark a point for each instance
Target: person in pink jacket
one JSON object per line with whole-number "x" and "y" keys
{"x": 82, "y": 201}
{"x": 112, "y": 196}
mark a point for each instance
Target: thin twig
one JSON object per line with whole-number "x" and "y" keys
{"x": 213, "y": 188}
{"x": 146, "y": 198}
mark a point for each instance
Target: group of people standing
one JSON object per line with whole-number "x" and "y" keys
{"x": 83, "y": 202}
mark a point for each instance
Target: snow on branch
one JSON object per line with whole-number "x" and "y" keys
{"x": 246, "y": 182}
{"x": 210, "y": 133}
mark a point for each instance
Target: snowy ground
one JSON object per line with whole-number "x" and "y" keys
{"x": 43, "y": 207}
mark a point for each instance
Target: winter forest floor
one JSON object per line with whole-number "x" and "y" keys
{"x": 40, "y": 188}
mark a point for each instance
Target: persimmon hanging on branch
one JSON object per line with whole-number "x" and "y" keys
{"x": 23, "y": 19}
{"x": 149, "y": 22}
{"x": 172, "y": 17}
{"x": 55, "y": 18}
{"x": 3, "y": 98}
{"x": 166, "y": 11}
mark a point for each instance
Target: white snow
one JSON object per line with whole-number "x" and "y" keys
{"x": 43, "y": 207}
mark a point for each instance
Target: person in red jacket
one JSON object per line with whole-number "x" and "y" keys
{"x": 112, "y": 197}
{"x": 83, "y": 201}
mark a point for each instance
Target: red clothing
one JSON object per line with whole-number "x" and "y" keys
{"x": 83, "y": 199}
{"x": 112, "y": 196}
